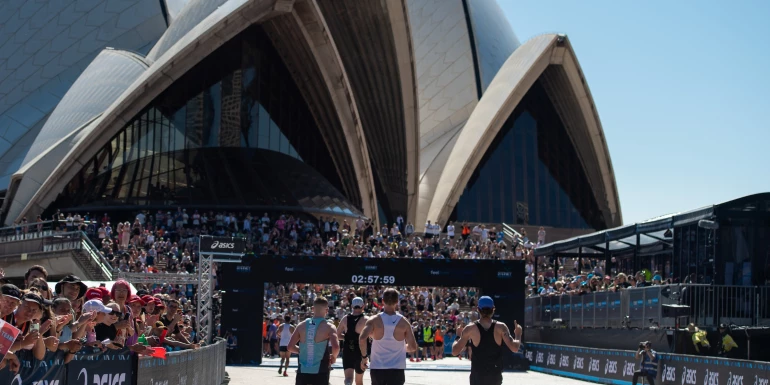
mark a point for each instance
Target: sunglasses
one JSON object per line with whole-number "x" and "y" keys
{"x": 117, "y": 314}
{"x": 41, "y": 287}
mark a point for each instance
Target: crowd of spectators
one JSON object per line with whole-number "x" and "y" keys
{"x": 71, "y": 316}
{"x": 165, "y": 241}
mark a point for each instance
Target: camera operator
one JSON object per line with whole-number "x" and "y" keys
{"x": 649, "y": 367}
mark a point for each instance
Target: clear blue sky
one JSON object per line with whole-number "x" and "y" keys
{"x": 682, "y": 88}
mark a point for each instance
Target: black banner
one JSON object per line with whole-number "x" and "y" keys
{"x": 50, "y": 370}
{"x": 92, "y": 366}
{"x": 228, "y": 249}
{"x": 618, "y": 366}
{"x": 200, "y": 366}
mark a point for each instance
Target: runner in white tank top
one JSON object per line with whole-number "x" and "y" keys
{"x": 392, "y": 339}
{"x": 284, "y": 335}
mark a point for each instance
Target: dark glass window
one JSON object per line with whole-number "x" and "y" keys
{"x": 233, "y": 131}
{"x": 531, "y": 174}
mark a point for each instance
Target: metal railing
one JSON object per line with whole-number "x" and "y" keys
{"x": 36, "y": 230}
{"x": 59, "y": 241}
{"x": 26, "y": 231}
{"x": 96, "y": 256}
{"x": 710, "y": 305}
{"x": 510, "y": 233}
{"x": 160, "y": 278}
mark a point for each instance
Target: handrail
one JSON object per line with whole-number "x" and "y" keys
{"x": 509, "y": 231}
{"x": 96, "y": 256}
{"x": 29, "y": 224}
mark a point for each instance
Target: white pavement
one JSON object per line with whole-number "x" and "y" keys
{"x": 447, "y": 364}
{"x": 250, "y": 375}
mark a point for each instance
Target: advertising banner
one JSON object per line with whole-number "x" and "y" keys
{"x": 227, "y": 249}
{"x": 50, "y": 370}
{"x": 200, "y": 366}
{"x": 92, "y": 366}
{"x": 618, "y": 366}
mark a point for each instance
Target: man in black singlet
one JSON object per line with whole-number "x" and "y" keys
{"x": 349, "y": 330}
{"x": 487, "y": 336}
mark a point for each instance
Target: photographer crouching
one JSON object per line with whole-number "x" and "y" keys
{"x": 649, "y": 367}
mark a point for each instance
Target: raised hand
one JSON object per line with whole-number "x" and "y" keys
{"x": 517, "y": 330}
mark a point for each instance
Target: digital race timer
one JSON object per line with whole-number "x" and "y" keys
{"x": 374, "y": 279}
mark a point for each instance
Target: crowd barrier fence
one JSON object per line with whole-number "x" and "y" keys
{"x": 618, "y": 366}
{"x": 204, "y": 366}
{"x": 710, "y": 305}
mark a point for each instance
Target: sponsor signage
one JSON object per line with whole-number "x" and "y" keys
{"x": 91, "y": 366}
{"x": 618, "y": 366}
{"x": 225, "y": 249}
{"x": 48, "y": 371}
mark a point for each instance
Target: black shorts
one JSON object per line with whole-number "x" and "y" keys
{"x": 421, "y": 343}
{"x": 428, "y": 236}
{"x": 439, "y": 344}
{"x": 387, "y": 376}
{"x": 283, "y": 348}
{"x": 352, "y": 360}
{"x": 486, "y": 378}
{"x": 265, "y": 340}
{"x": 312, "y": 379}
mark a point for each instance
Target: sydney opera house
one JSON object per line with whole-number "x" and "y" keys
{"x": 430, "y": 109}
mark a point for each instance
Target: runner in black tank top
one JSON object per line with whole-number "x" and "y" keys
{"x": 351, "y": 353}
{"x": 487, "y": 363}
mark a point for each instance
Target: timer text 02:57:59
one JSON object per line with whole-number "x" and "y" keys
{"x": 374, "y": 279}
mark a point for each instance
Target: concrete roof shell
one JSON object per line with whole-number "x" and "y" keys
{"x": 509, "y": 86}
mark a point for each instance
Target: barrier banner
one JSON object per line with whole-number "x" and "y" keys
{"x": 693, "y": 370}
{"x": 50, "y": 370}
{"x": 596, "y": 365}
{"x": 600, "y": 314}
{"x": 618, "y": 366}
{"x": 200, "y": 366}
{"x": 92, "y": 366}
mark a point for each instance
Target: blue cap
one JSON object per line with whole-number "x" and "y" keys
{"x": 657, "y": 278}
{"x": 486, "y": 302}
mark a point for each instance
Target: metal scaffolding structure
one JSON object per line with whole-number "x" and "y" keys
{"x": 205, "y": 296}
{"x": 226, "y": 249}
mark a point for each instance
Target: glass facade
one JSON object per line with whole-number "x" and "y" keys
{"x": 232, "y": 132}
{"x": 531, "y": 174}
{"x": 493, "y": 36}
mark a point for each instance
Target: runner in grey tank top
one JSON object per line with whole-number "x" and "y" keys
{"x": 392, "y": 339}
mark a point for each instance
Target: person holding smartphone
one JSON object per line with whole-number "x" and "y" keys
{"x": 27, "y": 319}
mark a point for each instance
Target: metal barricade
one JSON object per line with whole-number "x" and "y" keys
{"x": 763, "y": 307}
{"x": 601, "y": 314}
{"x": 615, "y": 311}
{"x": 709, "y": 305}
